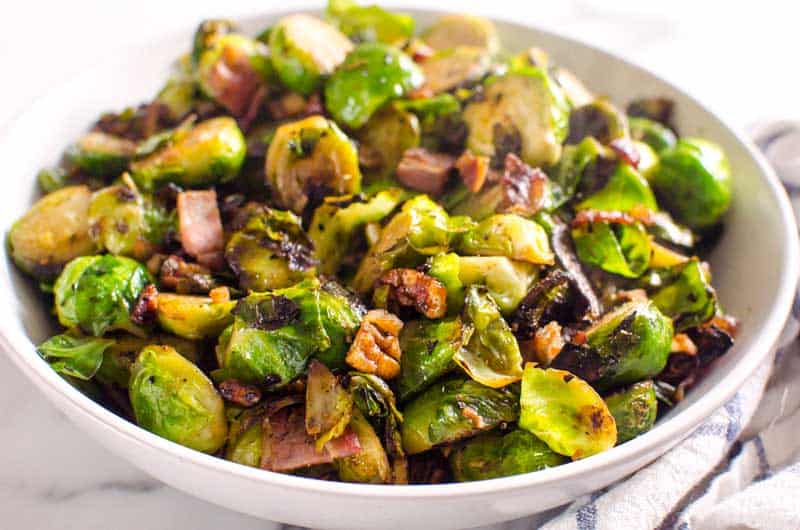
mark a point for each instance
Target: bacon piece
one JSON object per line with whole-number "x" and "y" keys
{"x": 287, "y": 446}
{"x": 421, "y": 170}
{"x": 523, "y": 187}
{"x": 201, "y": 226}
{"x": 473, "y": 170}
{"x": 233, "y": 81}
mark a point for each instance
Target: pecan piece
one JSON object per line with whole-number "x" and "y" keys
{"x": 523, "y": 187}
{"x": 421, "y": 170}
{"x": 376, "y": 348}
{"x": 412, "y": 288}
{"x": 548, "y": 342}
{"x": 177, "y": 275}
{"x": 144, "y": 310}
{"x": 240, "y": 393}
{"x": 473, "y": 170}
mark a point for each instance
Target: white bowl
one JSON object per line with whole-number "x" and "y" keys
{"x": 755, "y": 268}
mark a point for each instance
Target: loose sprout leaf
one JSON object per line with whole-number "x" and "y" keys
{"x": 616, "y": 248}
{"x": 508, "y": 235}
{"x": 684, "y": 293}
{"x": 329, "y": 405}
{"x": 370, "y": 23}
{"x": 74, "y": 356}
{"x": 634, "y": 410}
{"x": 565, "y": 412}
{"x": 626, "y": 189}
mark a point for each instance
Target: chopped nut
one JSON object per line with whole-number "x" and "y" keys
{"x": 376, "y": 348}
{"x": 473, "y": 170}
{"x": 144, "y": 310}
{"x": 548, "y": 342}
{"x": 421, "y": 170}
{"x": 185, "y": 278}
{"x": 523, "y": 187}
{"x": 681, "y": 343}
{"x": 240, "y": 393}
{"x": 412, "y": 288}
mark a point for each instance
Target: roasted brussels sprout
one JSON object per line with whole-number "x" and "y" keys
{"x": 634, "y": 409}
{"x": 693, "y": 180}
{"x": 232, "y": 69}
{"x": 97, "y": 293}
{"x": 524, "y": 108}
{"x": 74, "y": 355}
{"x": 304, "y": 49}
{"x": 494, "y": 455}
{"x": 507, "y": 235}
{"x": 102, "y": 155}
{"x": 207, "y": 34}
{"x": 271, "y": 251}
{"x": 371, "y": 75}
{"x": 508, "y": 281}
{"x": 370, "y": 23}
{"x": 193, "y": 317}
{"x": 599, "y": 119}
{"x": 246, "y": 447}
{"x": 53, "y": 232}
{"x": 617, "y": 248}
{"x": 329, "y": 406}
{"x": 462, "y": 30}
{"x": 454, "y": 409}
{"x": 385, "y": 137}
{"x": 454, "y": 68}
{"x": 574, "y": 171}
{"x": 446, "y": 269}
{"x": 628, "y": 344}
{"x": 684, "y": 293}
{"x": 311, "y": 152}
{"x": 173, "y": 398}
{"x": 625, "y": 190}
{"x": 210, "y": 152}
{"x": 338, "y": 219}
{"x": 370, "y": 465}
{"x": 657, "y": 136}
{"x": 491, "y": 356}
{"x": 428, "y": 348}
{"x": 565, "y": 412}
{"x": 340, "y": 313}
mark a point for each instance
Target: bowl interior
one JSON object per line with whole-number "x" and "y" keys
{"x": 754, "y": 263}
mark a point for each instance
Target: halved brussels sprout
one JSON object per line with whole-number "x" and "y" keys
{"x": 207, "y": 34}
{"x": 371, "y": 75}
{"x": 304, "y": 49}
{"x": 525, "y": 105}
{"x": 577, "y": 161}
{"x": 271, "y": 251}
{"x": 370, "y": 23}
{"x": 685, "y": 294}
{"x": 337, "y": 220}
{"x": 453, "y": 68}
{"x": 659, "y": 137}
{"x": 450, "y": 31}
{"x": 494, "y": 455}
{"x": 617, "y": 248}
{"x": 508, "y": 235}
{"x": 329, "y": 406}
{"x": 52, "y": 178}
{"x": 310, "y": 152}
{"x": 370, "y": 465}
{"x": 599, "y": 119}
{"x": 97, "y": 293}
{"x": 565, "y": 412}
{"x": 210, "y": 152}
{"x": 693, "y": 180}
{"x": 446, "y": 269}
{"x": 634, "y": 410}
{"x": 492, "y": 356}
{"x": 74, "y": 355}
{"x": 247, "y": 447}
{"x": 508, "y": 281}
{"x": 454, "y": 409}
{"x": 626, "y": 189}
{"x": 428, "y": 348}
{"x": 386, "y": 136}
{"x": 628, "y": 344}
{"x": 174, "y": 399}
{"x": 340, "y": 314}
{"x": 53, "y": 232}
{"x": 232, "y": 69}
{"x": 193, "y": 317}
{"x": 102, "y": 155}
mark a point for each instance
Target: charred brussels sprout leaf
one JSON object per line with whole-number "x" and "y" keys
{"x": 271, "y": 251}
{"x": 53, "y": 232}
{"x": 508, "y": 235}
{"x": 97, "y": 293}
{"x": 338, "y": 219}
{"x": 304, "y": 49}
{"x": 492, "y": 356}
{"x": 370, "y": 23}
{"x": 626, "y": 189}
{"x": 657, "y": 136}
{"x": 450, "y": 31}
{"x": 102, "y": 155}
{"x": 428, "y": 348}
{"x": 370, "y": 464}
{"x": 565, "y": 412}
{"x": 329, "y": 406}
{"x": 622, "y": 249}
{"x": 525, "y": 104}
{"x": 455, "y": 409}
{"x": 634, "y": 410}
{"x": 684, "y": 293}
{"x": 193, "y": 317}
{"x": 311, "y": 152}
{"x": 210, "y": 152}
{"x": 494, "y": 455}
{"x": 174, "y": 399}
{"x": 371, "y": 75}
{"x": 74, "y": 356}
{"x": 693, "y": 180}
{"x": 627, "y": 345}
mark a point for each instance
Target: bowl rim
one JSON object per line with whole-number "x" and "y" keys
{"x": 23, "y": 353}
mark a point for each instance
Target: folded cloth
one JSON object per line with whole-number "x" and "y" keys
{"x": 740, "y": 469}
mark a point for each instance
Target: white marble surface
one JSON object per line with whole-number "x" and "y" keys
{"x": 738, "y": 58}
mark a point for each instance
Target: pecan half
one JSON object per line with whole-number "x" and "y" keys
{"x": 240, "y": 393}
{"x": 421, "y": 170}
{"x": 376, "y": 348}
{"x": 473, "y": 170}
{"x": 412, "y": 288}
{"x": 523, "y": 187}
{"x": 177, "y": 275}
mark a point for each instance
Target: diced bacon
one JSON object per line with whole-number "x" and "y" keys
{"x": 473, "y": 170}
{"x": 234, "y": 81}
{"x": 200, "y": 225}
{"x": 421, "y": 170}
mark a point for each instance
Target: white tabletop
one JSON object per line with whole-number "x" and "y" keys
{"x": 739, "y": 59}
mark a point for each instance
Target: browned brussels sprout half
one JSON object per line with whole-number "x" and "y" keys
{"x": 454, "y": 68}
{"x": 655, "y": 135}
{"x": 618, "y": 248}
{"x": 634, "y": 410}
{"x": 450, "y": 31}
{"x": 600, "y": 119}
{"x": 370, "y": 23}
{"x": 507, "y": 235}
{"x": 454, "y": 409}
{"x": 371, "y": 464}
{"x": 329, "y": 406}
{"x": 173, "y": 398}
{"x": 193, "y": 317}
{"x": 102, "y": 155}
{"x": 684, "y": 293}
